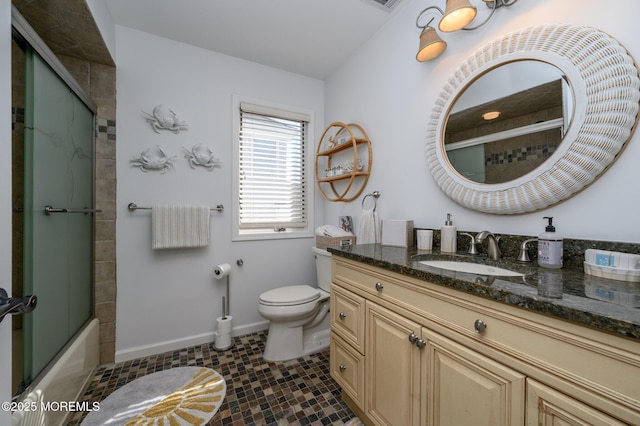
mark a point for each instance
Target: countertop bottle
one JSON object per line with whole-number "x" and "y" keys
{"x": 448, "y": 236}
{"x": 550, "y": 247}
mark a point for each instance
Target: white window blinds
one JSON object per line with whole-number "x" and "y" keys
{"x": 273, "y": 175}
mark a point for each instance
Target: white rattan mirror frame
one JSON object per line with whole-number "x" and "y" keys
{"x": 606, "y": 87}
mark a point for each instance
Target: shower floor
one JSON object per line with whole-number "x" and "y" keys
{"x": 296, "y": 392}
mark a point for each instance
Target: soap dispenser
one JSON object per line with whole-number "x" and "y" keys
{"x": 550, "y": 247}
{"x": 448, "y": 236}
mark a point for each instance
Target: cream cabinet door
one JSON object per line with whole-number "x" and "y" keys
{"x": 548, "y": 407}
{"x": 462, "y": 387}
{"x": 392, "y": 366}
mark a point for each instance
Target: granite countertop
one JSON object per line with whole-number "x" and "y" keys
{"x": 607, "y": 305}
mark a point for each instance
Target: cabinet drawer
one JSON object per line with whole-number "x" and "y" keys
{"x": 347, "y": 369}
{"x": 362, "y": 279}
{"x": 347, "y": 317}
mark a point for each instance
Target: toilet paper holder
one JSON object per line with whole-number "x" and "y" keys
{"x": 224, "y": 341}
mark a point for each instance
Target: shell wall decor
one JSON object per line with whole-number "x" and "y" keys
{"x": 202, "y": 156}
{"x": 154, "y": 159}
{"x": 163, "y": 118}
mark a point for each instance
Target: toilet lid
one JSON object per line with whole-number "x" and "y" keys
{"x": 291, "y": 295}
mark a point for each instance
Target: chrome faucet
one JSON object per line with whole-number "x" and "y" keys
{"x": 524, "y": 254}
{"x": 472, "y": 244}
{"x": 492, "y": 244}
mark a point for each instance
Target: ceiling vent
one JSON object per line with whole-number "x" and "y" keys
{"x": 387, "y": 5}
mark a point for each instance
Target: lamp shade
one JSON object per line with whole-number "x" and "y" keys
{"x": 457, "y": 15}
{"x": 431, "y": 45}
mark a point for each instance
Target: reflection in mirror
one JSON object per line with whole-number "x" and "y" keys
{"x": 508, "y": 121}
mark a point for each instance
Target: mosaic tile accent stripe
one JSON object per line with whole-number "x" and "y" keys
{"x": 296, "y": 392}
{"x": 523, "y": 154}
{"x": 17, "y": 116}
{"x": 106, "y": 129}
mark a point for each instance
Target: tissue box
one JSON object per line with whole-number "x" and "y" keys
{"x": 322, "y": 242}
{"x": 397, "y": 233}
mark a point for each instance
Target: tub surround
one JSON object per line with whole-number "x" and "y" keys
{"x": 574, "y": 305}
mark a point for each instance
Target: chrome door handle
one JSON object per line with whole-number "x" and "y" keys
{"x": 379, "y": 286}
{"x": 342, "y": 315}
{"x": 342, "y": 367}
{"x": 413, "y": 338}
{"x": 48, "y": 210}
{"x": 420, "y": 344}
{"x": 16, "y": 305}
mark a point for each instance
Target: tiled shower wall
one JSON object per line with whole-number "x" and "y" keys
{"x": 99, "y": 82}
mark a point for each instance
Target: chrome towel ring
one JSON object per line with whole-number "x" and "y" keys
{"x": 375, "y": 195}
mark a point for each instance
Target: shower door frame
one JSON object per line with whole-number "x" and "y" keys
{"x": 25, "y": 33}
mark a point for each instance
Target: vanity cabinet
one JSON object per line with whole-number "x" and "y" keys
{"x": 409, "y": 352}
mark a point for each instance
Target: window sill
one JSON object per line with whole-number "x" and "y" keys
{"x": 268, "y": 234}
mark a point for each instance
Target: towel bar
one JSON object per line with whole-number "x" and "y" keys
{"x": 134, "y": 206}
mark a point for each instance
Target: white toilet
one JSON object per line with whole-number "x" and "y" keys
{"x": 299, "y": 324}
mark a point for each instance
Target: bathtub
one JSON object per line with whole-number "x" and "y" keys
{"x": 62, "y": 381}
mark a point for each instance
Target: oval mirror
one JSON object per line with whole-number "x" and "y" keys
{"x": 586, "y": 125}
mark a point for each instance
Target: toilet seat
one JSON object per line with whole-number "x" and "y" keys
{"x": 290, "y": 295}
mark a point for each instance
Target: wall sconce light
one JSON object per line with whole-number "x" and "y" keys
{"x": 456, "y": 16}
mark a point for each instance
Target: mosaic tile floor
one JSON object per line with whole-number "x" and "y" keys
{"x": 296, "y": 392}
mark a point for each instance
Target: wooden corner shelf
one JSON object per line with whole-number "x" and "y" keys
{"x": 343, "y": 161}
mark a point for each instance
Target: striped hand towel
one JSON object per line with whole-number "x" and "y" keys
{"x": 179, "y": 226}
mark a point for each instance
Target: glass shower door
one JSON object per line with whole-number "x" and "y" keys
{"x": 58, "y": 253}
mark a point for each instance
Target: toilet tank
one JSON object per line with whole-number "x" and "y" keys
{"x": 323, "y": 268}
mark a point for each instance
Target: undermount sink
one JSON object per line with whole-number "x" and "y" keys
{"x": 472, "y": 268}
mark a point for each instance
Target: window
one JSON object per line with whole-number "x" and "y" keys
{"x": 272, "y": 180}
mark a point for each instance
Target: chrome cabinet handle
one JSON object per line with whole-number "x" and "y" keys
{"x": 48, "y": 210}
{"x": 480, "y": 325}
{"x": 413, "y": 338}
{"x": 342, "y": 315}
{"x": 379, "y": 286}
{"x": 342, "y": 368}
{"x": 420, "y": 344}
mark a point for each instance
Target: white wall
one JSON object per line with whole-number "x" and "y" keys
{"x": 5, "y": 200}
{"x": 168, "y": 299}
{"x": 387, "y": 91}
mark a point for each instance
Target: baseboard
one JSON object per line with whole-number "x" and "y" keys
{"x": 250, "y": 328}
{"x": 171, "y": 345}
